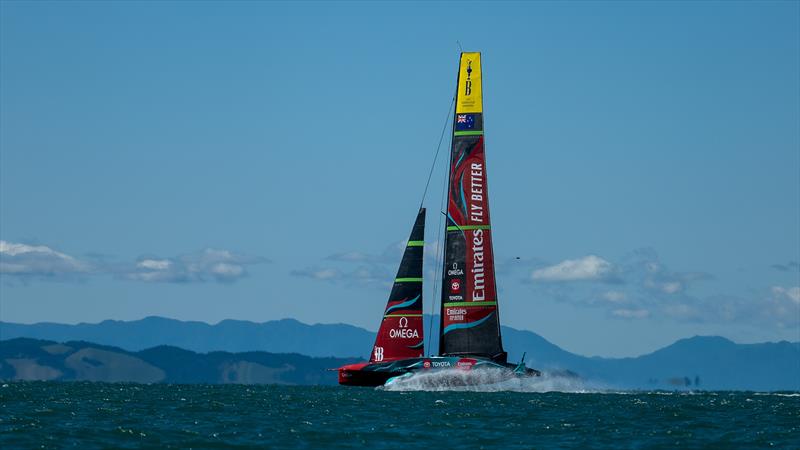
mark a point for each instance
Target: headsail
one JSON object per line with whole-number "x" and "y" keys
{"x": 469, "y": 316}
{"x": 400, "y": 334}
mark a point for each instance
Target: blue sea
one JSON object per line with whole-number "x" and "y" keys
{"x": 102, "y": 415}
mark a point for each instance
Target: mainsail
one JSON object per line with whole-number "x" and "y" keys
{"x": 400, "y": 335}
{"x": 469, "y": 317}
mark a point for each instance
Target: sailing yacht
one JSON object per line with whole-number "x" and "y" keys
{"x": 469, "y": 327}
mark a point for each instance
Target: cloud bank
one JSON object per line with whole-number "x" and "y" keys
{"x": 640, "y": 286}
{"x": 26, "y": 262}
{"x": 587, "y": 268}
{"x": 207, "y": 265}
{"x": 39, "y": 261}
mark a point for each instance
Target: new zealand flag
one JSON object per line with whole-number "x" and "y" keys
{"x": 465, "y": 122}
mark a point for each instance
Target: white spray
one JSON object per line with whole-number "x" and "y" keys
{"x": 486, "y": 380}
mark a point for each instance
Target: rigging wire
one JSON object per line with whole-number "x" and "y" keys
{"x": 439, "y": 243}
{"x": 438, "y": 148}
{"x": 438, "y": 261}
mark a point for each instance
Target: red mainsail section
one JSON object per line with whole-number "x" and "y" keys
{"x": 400, "y": 334}
{"x": 468, "y": 210}
{"x": 399, "y": 337}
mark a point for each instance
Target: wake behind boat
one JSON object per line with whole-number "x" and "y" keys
{"x": 469, "y": 331}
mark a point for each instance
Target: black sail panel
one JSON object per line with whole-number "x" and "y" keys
{"x": 400, "y": 334}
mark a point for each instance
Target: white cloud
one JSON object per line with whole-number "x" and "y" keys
{"x": 589, "y": 267}
{"x": 153, "y": 264}
{"x": 631, "y": 313}
{"x": 368, "y": 275}
{"x": 615, "y": 296}
{"x": 352, "y": 257}
{"x": 227, "y": 270}
{"x": 671, "y": 287}
{"x": 359, "y": 268}
{"x": 390, "y": 255}
{"x": 38, "y": 261}
{"x": 208, "y": 265}
{"x": 645, "y": 287}
{"x": 691, "y": 313}
{"x": 324, "y": 274}
{"x": 792, "y": 293}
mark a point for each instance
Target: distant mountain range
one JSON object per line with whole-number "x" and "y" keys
{"x": 35, "y": 359}
{"x": 277, "y": 336}
{"x": 698, "y": 362}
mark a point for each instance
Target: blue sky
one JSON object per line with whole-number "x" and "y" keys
{"x": 256, "y": 161}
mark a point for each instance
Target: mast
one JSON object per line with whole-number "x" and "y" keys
{"x": 469, "y": 321}
{"x": 400, "y": 334}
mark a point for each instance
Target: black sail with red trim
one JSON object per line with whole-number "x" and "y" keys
{"x": 470, "y": 324}
{"x": 400, "y": 334}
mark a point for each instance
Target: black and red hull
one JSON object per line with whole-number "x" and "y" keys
{"x": 356, "y": 375}
{"x": 377, "y": 374}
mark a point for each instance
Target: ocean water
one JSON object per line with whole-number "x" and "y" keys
{"x": 102, "y": 415}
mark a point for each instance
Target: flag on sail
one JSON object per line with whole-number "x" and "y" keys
{"x": 465, "y": 122}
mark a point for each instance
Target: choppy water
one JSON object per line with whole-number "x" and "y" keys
{"x": 89, "y": 415}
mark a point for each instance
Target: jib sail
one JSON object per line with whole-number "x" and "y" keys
{"x": 400, "y": 335}
{"x": 469, "y": 316}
